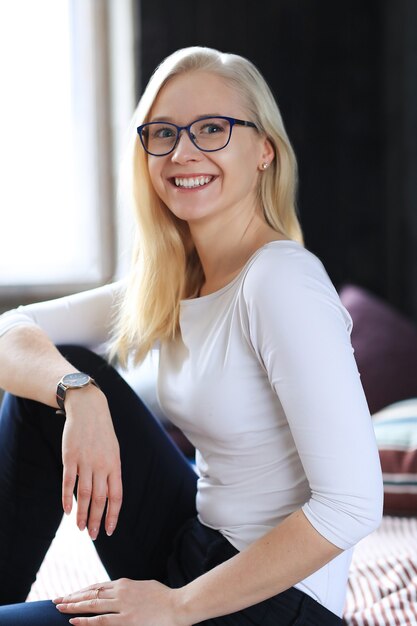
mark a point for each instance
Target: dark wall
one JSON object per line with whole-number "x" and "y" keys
{"x": 345, "y": 77}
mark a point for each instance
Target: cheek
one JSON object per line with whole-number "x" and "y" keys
{"x": 152, "y": 169}
{"x": 243, "y": 160}
{"x": 155, "y": 175}
{"x": 244, "y": 173}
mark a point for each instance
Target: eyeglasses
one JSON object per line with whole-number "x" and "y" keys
{"x": 207, "y": 134}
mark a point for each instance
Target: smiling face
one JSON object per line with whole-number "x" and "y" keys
{"x": 197, "y": 185}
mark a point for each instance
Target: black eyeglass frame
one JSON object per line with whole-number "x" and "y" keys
{"x": 232, "y": 121}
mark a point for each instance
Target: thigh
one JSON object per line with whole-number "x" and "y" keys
{"x": 32, "y": 614}
{"x": 159, "y": 485}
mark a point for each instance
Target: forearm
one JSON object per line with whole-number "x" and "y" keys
{"x": 284, "y": 556}
{"x": 30, "y": 365}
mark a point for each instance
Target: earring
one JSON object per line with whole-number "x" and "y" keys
{"x": 264, "y": 165}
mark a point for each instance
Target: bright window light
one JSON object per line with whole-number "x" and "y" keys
{"x": 48, "y": 221}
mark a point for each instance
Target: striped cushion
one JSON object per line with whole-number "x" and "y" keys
{"x": 396, "y": 434}
{"x": 382, "y": 589}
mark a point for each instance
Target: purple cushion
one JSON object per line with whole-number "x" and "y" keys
{"x": 385, "y": 344}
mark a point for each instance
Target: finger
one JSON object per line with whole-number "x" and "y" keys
{"x": 98, "y": 503}
{"x": 68, "y": 484}
{"x": 115, "y": 498}
{"x": 93, "y": 606}
{"x": 100, "y": 620}
{"x": 104, "y": 590}
{"x": 83, "y": 497}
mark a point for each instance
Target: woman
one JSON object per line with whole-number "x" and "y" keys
{"x": 256, "y": 367}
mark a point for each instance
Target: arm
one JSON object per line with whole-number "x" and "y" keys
{"x": 301, "y": 334}
{"x": 284, "y": 556}
{"x": 31, "y": 366}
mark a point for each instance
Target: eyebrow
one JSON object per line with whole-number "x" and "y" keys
{"x": 170, "y": 119}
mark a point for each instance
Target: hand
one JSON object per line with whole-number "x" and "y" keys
{"x": 90, "y": 450}
{"x": 123, "y": 602}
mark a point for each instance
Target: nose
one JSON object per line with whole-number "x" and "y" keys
{"x": 185, "y": 150}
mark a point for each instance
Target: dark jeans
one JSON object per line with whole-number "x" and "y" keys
{"x": 157, "y": 537}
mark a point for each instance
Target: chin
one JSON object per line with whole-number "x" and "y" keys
{"x": 190, "y": 213}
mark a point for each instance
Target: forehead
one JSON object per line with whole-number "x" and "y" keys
{"x": 197, "y": 93}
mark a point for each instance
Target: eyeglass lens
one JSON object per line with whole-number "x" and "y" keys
{"x": 207, "y": 134}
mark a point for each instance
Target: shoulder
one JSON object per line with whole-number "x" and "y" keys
{"x": 288, "y": 280}
{"x": 283, "y": 264}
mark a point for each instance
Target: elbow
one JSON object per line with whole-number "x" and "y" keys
{"x": 376, "y": 519}
{"x": 369, "y": 509}
{"x": 346, "y": 521}
{"x": 365, "y": 520}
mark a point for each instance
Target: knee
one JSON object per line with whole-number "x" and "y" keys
{"x": 73, "y": 351}
{"x": 82, "y": 358}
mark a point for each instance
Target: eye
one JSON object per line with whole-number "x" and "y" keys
{"x": 211, "y": 128}
{"x": 162, "y": 132}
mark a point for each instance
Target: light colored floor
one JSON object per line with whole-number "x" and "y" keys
{"x": 70, "y": 564}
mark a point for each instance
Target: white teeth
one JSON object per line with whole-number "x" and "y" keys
{"x": 193, "y": 182}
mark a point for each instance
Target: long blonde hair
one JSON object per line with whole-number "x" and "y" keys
{"x": 165, "y": 266}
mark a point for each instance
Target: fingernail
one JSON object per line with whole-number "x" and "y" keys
{"x": 93, "y": 533}
{"x": 58, "y": 600}
{"x": 67, "y": 509}
{"x": 74, "y": 620}
{"x": 110, "y": 530}
{"x": 61, "y": 607}
{"x": 81, "y": 526}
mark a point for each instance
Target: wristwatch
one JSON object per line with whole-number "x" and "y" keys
{"x": 76, "y": 380}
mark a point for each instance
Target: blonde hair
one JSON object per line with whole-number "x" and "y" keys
{"x": 165, "y": 266}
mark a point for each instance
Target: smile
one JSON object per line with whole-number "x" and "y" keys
{"x": 190, "y": 183}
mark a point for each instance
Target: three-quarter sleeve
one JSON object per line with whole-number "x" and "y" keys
{"x": 84, "y": 318}
{"x": 301, "y": 334}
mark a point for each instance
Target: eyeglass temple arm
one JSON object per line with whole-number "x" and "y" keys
{"x": 243, "y": 123}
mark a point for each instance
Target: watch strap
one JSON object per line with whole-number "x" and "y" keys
{"x": 61, "y": 392}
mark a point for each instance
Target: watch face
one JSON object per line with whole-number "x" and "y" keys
{"x": 77, "y": 379}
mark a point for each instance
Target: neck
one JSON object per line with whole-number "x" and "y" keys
{"x": 224, "y": 248}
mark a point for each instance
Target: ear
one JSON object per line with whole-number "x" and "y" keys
{"x": 267, "y": 155}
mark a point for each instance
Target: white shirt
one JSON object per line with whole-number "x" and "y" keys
{"x": 264, "y": 383}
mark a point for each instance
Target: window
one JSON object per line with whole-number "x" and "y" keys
{"x": 57, "y": 214}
